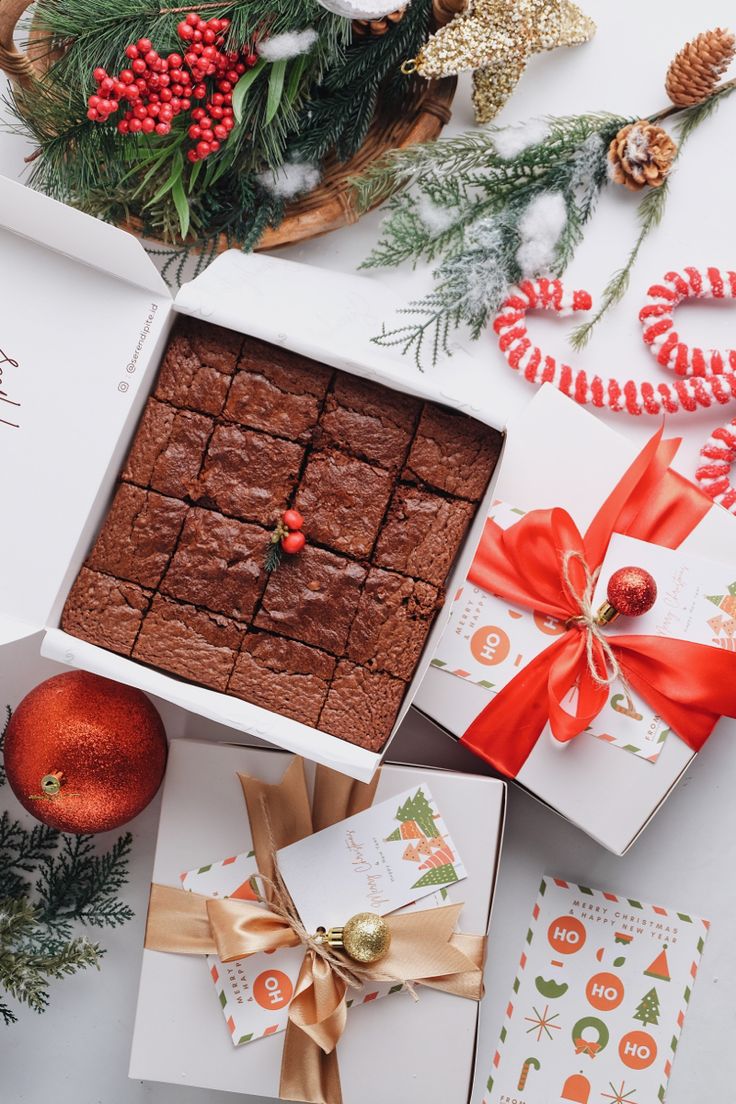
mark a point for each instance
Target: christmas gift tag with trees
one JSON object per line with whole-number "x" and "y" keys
{"x": 598, "y": 1002}
{"x": 389, "y": 856}
{"x": 386, "y": 859}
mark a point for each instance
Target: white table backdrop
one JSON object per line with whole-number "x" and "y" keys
{"x": 77, "y": 1053}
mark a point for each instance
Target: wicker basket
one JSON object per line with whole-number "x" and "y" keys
{"x": 331, "y": 205}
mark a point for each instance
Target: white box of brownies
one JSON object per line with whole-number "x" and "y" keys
{"x": 85, "y": 323}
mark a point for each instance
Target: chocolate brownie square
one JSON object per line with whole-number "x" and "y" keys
{"x": 283, "y": 676}
{"x": 218, "y": 564}
{"x": 277, "y": 391}
{"x": 368, "y": 420}
{"x": 189, "y": 642}
{"x": 198, "y": 366}
{"x": 138, "y": 536}
{"x": 105, "y": 611}
{"x": 422, "y": 534}
{"x": 361, "y": 706}
{"x": 313, "y": 597}
{"x": 394, "y": 616}
{"x": 453, "y": 452}
{"x": 248, "y": 474}
{"x": 343, "y": 501}
{"x": 168, "y": 449}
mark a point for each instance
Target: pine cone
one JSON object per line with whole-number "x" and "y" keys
{"x": 362, "y": 27}
{"x": 641, "y": 154}
{"x": 694, "y": 74}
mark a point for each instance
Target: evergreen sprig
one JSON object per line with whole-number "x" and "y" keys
{"x": 461, "y": 205}
{"x": 49, "y": 883}
{"x": 146, "y": 180}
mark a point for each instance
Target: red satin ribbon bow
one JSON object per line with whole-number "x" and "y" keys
{"x": 689, "y": 685}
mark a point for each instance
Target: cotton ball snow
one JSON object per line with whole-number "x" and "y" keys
{"x": 291, "y": 179}
{"x": 287, "y": 45}
{"x": 435, "y": 218}
{"x": 539, "y": 229}
{"x": 510, "y": 141}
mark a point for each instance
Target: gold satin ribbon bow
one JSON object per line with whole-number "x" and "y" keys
{"x": 424, "y": 949}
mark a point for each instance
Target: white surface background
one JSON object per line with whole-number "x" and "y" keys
{"x": 78, "y": 1052}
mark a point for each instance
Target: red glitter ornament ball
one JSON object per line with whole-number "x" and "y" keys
{"x": 632, "y": 591}
{"x": 83, "y": 753}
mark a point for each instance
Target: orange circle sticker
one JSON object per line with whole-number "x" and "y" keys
{"x": 566, "y": 934}
{"x": 548, "y": 624}
{"x": 272, "y": 989}
{"x": 637, "y": 1050}
{"x": 490, "y": 645}
{"x": 605, "y": 992}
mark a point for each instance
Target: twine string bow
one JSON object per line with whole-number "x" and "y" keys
{"x": 587, "y": 622}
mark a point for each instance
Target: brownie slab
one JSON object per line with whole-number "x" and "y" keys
{"x": 394, "y": 616}
{"x": 250, "y": 475}
{"x": 189, "y": 642}
{"x": 168, "y": 449}
{"x": 105, "y": 611}
{"x": 313, "y": 597}
{"x": 422, "y": 534}
{"x": 283, "y": 676}
{"x": 453, "y": 452}
{"x": 361, "y": 706}
{"x": 138, "y": 536}
{"x": 368, "y": 421}
{"x": 277, "y": 391}
{"x": 343, "y": 501}
{"x": 198, "y": 366}
{"x": 218, "y": 564}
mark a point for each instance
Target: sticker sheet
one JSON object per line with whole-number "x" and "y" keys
{"x": 397, "y": 855}
{"x": 598, "y": 1002}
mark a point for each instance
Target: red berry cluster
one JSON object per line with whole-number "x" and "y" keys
{"x": 159, "y": 88}
{"x": 293, "y": 539}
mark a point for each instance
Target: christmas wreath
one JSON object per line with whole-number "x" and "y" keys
{"x": 193, "y": 125}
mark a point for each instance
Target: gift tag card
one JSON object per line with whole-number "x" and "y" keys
{"x": 489, "y": 640}
{"x": 598, "y": 1002}
{"x": 388, "y": 856}
{"x": 696, "y": 597}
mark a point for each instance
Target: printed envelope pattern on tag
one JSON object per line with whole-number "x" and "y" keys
{"x": 598, "y": 1002}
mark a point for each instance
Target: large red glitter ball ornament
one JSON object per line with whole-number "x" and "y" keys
{"x": 83, "y": 753}
{"x": 632, "y": 591}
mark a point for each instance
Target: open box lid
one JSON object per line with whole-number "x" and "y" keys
{"x": 81, "y": 312}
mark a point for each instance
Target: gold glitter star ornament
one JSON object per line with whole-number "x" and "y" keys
{"x": 496, "y": 38}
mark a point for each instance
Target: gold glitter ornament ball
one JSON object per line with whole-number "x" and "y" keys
{"x": 83, "y": 753}
{"x": 366, "y": 937}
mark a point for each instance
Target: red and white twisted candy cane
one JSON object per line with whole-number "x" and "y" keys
{"x": 706, "y": 376}
{"x": 718, "y": 454}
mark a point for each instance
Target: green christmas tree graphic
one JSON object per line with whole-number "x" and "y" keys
{"x": 440, "y": 875}
{"x": 418, "y": 809}
{"x": 648, "y": 1009}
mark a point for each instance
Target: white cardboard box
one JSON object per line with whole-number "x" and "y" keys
{"x": 393, "y": 1049}
{"x": 84, "y": 318}
{"x": 557, "y": 454}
